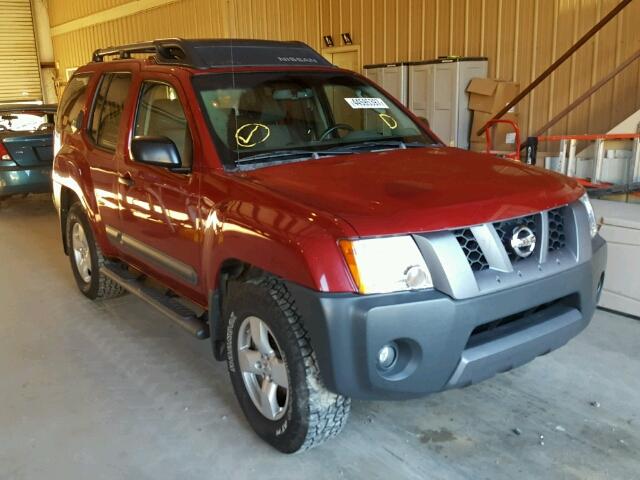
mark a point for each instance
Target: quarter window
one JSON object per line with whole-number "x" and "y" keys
{"x": 71, "y": 105}
{"x": 108, "y": 107}
{"x": 160, "y": 114}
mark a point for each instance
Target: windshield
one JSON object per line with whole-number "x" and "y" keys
{"x": 25, "y": 122}
{"x": 267, "y": 117}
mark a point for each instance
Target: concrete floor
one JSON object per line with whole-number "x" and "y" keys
{"x": 113, "y": 391}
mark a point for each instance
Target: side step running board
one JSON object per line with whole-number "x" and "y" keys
{"x": 168, "y": 305}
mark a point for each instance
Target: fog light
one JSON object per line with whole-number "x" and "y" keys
{"x": 387, "y": 356}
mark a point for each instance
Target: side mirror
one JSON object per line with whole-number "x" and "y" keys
{"x": 158, "y": 151}
{"x": 425, "y": 122}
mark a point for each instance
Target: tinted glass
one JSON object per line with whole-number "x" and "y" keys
{"x": 258, "y": 113}
{"x": 97, "y": 106}
{"x": 160, "y": 114}
{"x": 108, "y": 107}
{"x": 26, "y": 122}
{"x": 72, "y": 103}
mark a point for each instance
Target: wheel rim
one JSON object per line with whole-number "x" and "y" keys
{"x": 263, "y": 368}
{"x": 81, "y": 253}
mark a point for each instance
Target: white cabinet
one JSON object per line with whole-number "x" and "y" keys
{"x": 621, "y": 229}
{"x": 392, "y": 77}
{"x": 437, "y": 93}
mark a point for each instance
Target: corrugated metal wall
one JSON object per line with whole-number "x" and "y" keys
{"x": 19, "y": 65}
{"x": 62, "y": 11}
{"x": 520, "y": 37}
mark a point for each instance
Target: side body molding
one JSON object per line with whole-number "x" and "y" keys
{"x": 145, "y": 252}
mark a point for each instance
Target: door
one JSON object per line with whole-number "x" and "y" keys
{"x": 443, "y": 118}
{"x": 347, "y": 60}
{"x": 19, "y": 65}
{"x": 347, "y": 57}
{"x": 160, "y": 205}
{"x": 394, "y": 81}
{"x": 420, "y": 98}
{"x": 466, "y": 71}
{"x": 374, "y": 74}
{"x": 105, "y": 132}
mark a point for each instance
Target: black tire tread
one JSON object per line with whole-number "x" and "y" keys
{"x": 328, "y": 411}
{"x": 107, "y": 288}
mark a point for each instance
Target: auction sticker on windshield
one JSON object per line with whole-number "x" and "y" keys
{"x": 361, "y": 102}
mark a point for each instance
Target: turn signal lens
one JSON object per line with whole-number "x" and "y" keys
{"x": 350, "y": 257}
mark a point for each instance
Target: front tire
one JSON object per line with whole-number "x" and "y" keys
{"x": 274, "y": 371}
{"x": 86, "y": 257}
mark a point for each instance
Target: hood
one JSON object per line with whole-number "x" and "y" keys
{"x": 417, "y": 190}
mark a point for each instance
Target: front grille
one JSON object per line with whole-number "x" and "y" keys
{"x": 556, "y": 230}
{"x": 471, "y": 249}
{"x": 505, "y": 232}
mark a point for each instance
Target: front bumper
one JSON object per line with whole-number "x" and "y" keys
{"x": 17, "y": 180}
{"x": 445, "y": 343}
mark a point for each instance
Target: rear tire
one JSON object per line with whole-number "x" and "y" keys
{"x": 86, "y": 257}
{"x": 304, "y": 414}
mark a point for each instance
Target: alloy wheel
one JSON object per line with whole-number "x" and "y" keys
{"x": 81, "y": 252}
{"x": 263, "y": 368}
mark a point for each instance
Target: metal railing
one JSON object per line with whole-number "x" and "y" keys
{"x": 554, "y": 66}
{"x": 566, "y": 161}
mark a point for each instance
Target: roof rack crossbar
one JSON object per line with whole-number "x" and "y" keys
{"x": 125, "y": 51}
{"x": 211, "y": 53}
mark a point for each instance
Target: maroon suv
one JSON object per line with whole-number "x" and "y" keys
{"x": 328, "y": 243}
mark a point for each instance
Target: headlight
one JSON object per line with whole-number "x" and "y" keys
{"x": 391, "y": 264}
{"x": 593, "y": 225}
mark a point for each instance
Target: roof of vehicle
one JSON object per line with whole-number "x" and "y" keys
{"x": 28, "y": 108}
{"x": 212, "y": 53}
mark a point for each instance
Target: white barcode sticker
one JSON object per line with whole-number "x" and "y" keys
{"x": 361, "y": 102}
{"x": 510, "y": 138}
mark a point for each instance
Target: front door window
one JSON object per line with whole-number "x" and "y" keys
{"x": 160, "y": 114}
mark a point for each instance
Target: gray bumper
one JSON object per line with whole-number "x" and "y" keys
{"x": 445, "y": 343}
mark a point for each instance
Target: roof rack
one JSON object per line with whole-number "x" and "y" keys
{"x": 204, "y": 54}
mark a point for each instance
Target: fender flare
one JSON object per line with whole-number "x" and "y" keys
{"x": 66, "y": 177}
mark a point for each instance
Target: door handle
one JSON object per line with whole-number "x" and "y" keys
{"x": 126, "y": 180}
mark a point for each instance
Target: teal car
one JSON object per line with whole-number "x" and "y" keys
{"x": 26, "y": 148}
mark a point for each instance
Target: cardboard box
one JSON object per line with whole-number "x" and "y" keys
{"x": 489, "y": 95}
{"x": 502, "y": 134}
{"x": 478, "y": 147}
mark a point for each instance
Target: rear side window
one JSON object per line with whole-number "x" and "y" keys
{"x": 107, "y": 109}
{"x": 160, "y": 114}
{"x": 70, "y": 108}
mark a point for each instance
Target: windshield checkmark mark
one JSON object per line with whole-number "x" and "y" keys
{"x": 247, "y": 138}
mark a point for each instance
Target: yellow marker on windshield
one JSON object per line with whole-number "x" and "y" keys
{"x": 251, "y": 134}
{"x": 389, "y": 120}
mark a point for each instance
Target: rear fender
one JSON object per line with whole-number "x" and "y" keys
{"x": 72, "y": 182}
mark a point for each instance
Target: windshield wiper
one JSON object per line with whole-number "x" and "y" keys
{"x": 373, "y": 144}
{"x": 337, "y": 150}
{"x": 288, "y": 153}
